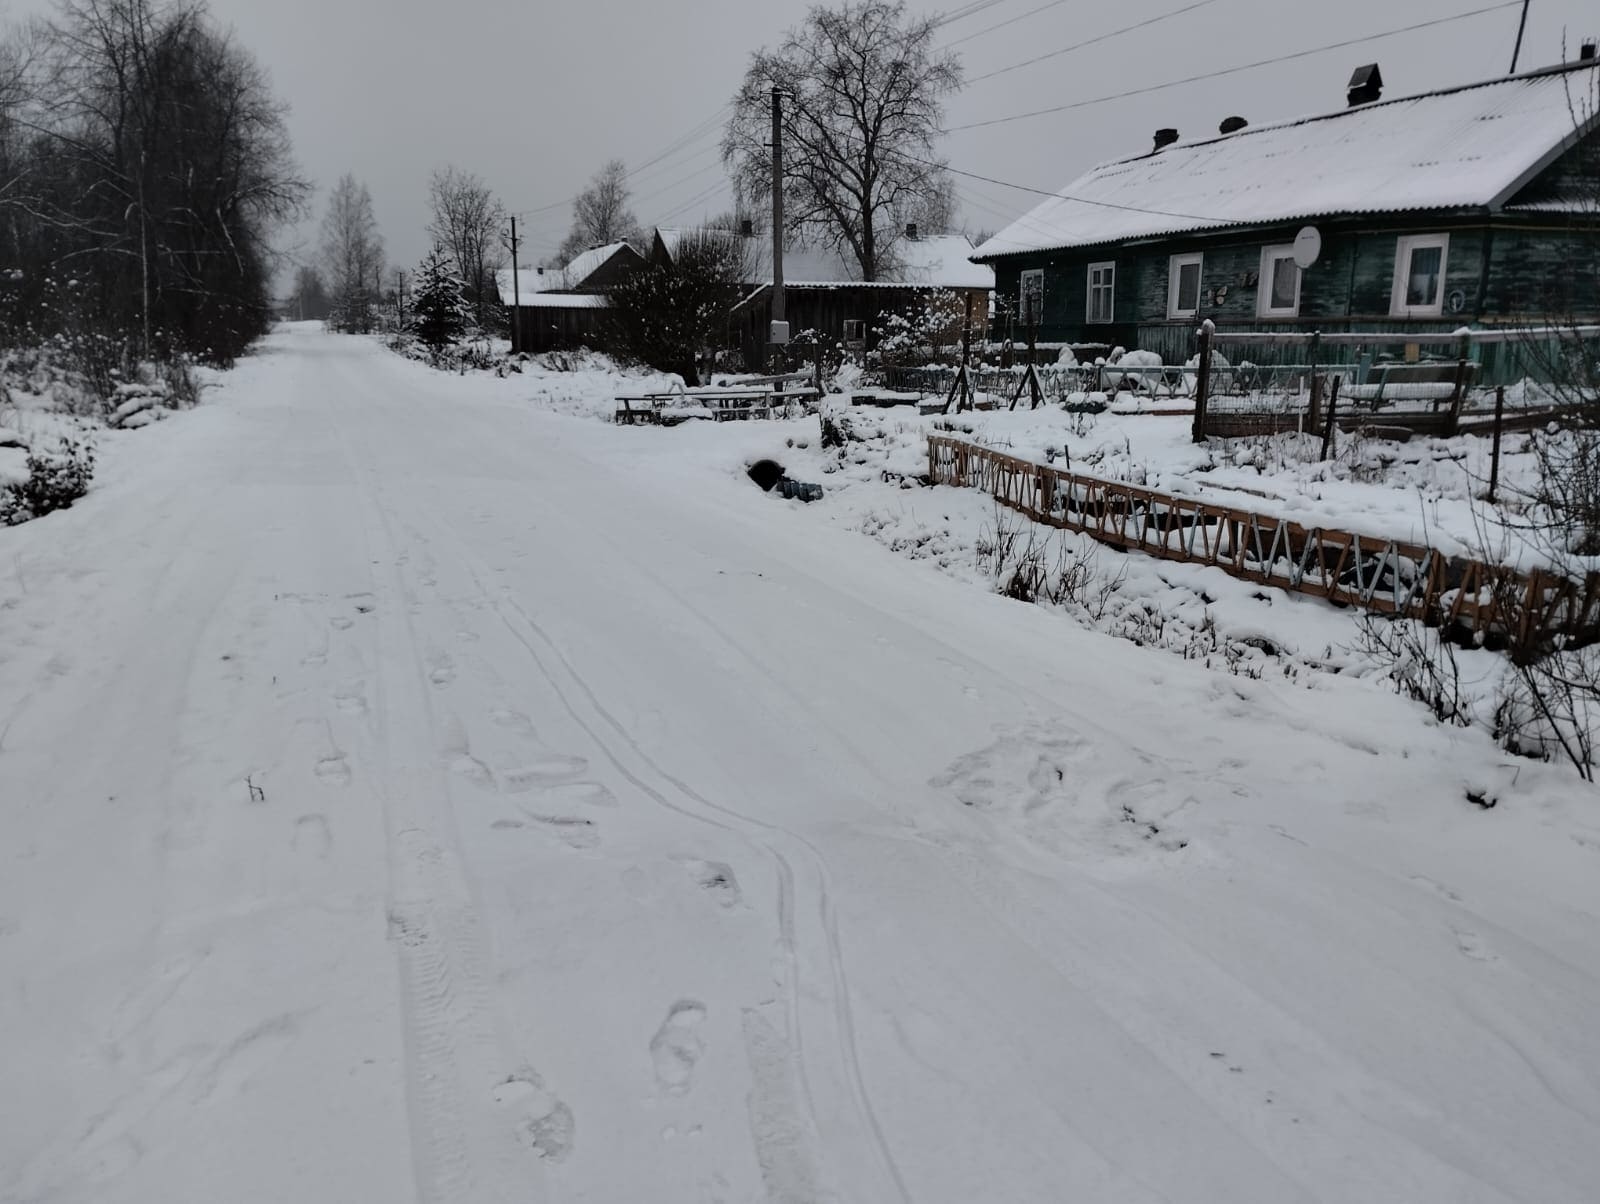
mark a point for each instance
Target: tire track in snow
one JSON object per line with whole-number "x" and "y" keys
{"x": 466, "y": 1128}
{"x": 766, "y": 836}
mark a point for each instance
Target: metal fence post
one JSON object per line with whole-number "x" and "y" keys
{"x": 1202, "y": 388}
{"x": 1459, "y": 397}
{"x": 1494, "y": 462}
{"x": 1333, "y": 418}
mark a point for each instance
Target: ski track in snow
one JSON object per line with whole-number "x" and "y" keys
{"x": 507, "y": 821}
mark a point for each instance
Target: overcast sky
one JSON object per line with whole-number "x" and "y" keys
{"x": 535, "y": 96}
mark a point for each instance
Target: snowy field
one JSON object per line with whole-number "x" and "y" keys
{"x": 419, "y": 789}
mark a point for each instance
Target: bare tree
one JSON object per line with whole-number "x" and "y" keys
{"x": 864, "y": 90}
{"x": 467, "y": 220}
{"x": 352, "y": 253}
{"x": 147, "y": 153}
{"x": 601, "y": 215}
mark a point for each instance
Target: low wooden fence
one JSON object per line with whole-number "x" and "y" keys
{"x": 1489, "y": 602}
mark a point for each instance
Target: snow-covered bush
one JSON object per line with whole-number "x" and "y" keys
{"x": 55, "y": 480}
{"x": 1134, "y": 370}
{"x": 1221, "y": 373}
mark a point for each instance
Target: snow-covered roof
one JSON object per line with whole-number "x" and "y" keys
{"x": 531, "y": 281}
{"x": 565, "y": 301}
{"x": 581, "y": 267}
{"x": 933, "y": 261}
{"x": 1461, "y": 148}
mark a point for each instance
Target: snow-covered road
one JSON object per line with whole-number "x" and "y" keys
{"x": 408, "y": 795}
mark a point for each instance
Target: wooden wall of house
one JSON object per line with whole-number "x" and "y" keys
{"x": 1549, "y": 271}
{"x": 1574, "y": 174}
{"x": 550, "y": 329}
{"x": 614, "y": 271}
{"x": 827, "y": 309}
{"x": 1515, "y": 270}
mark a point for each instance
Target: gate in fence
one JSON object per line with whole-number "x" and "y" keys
{"x": 1491, "y": 602}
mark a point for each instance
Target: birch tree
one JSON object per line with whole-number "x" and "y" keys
{"x": 864, "y": 89}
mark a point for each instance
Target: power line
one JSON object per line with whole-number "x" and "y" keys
{"x": 965, "y": 11}
{"x": 693, "y": 175}
{"x": 1284, "y": 58}
{"x": 695, "y": 132}
{"x": 1002, "y": 24}
{"x": 956, "y": 171}
{"x": 707, "y": 194}
{"x": 1095, "y": 41}
{"x": 937, "y": 165}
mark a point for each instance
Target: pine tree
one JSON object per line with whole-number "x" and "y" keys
{"x": 438, "y": 308}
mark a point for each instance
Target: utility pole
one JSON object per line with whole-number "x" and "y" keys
{"x": 516, "y": 290}
{"x": 400, "y": 293}
{"x": 779, "y": 332}
{"x": 1522, "y": 27}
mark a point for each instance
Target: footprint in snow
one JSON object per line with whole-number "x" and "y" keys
{"x": 474, "y": 770}
{"x": 334, "y": 769}
{"x": 677, "y": 1047}
{"x": 1472, "y": 945}
{"x": 352, "y": 701}
{"x": 574, "y": 830}
{"x": 542, "y": 771}
{"x": 716, "y": 879}
{"x": 543, "y": 1122}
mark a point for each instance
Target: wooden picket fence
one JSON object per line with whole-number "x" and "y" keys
{"x": 1491, "y": 603}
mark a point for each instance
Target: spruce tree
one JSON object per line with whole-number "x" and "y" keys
{"x": 438, "y": 308}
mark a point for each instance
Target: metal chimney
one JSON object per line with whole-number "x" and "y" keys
{"x": 1366, "y": 85}
{"x": 911, "y": 231}
{"x": 747, "y": 228}
{"x": 1586, "y": 52}
{"x": 1232, "y": 125}
{"x": 1165, "y": 137}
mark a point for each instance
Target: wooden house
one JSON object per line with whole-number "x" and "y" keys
{"x": 560, "y": 308}
{"x": 824, "y": 293}
{"x": 1467, "y": 206}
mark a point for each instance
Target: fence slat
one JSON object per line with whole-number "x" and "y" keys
{"x": 1320, "y": 562}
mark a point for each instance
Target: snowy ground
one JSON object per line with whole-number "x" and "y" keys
{"x": 415, "y": 794}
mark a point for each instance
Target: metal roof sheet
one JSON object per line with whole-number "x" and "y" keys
{"x": 1466, "y": 147}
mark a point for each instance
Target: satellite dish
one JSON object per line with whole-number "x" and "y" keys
{"x": 1307, "y": 247}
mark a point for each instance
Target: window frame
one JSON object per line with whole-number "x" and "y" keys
{"x": 1175, "y": 266}
{"x": 1270, "y": 256}
{"x": 1110, "y": 286}
{"x": 1405, "y": 246}
{"x": 1022, "y": 295}
{"x": 860, "y": 326}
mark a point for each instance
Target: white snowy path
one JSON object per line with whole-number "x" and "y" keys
{"x": 620, "y": 834}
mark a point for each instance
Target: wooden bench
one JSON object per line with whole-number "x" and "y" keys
{"x": 1391, "y": 382}
{"x": 667, "y": 407}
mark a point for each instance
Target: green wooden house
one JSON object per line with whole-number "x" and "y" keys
{"x": 1468, "y": 206}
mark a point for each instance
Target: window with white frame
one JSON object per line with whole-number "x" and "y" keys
{"x": 1419, "y": 266}
{"x": 1183, "y": 285}
{"x": 1101, "y": 305}
{"x": 1278, "y": 295}
{"x": 1030, "y": 311}
{"x": 855, "y": 330}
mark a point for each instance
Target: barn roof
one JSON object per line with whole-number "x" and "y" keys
{"x": 1469, "y": 147}
{"x": 531, "y": 281}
